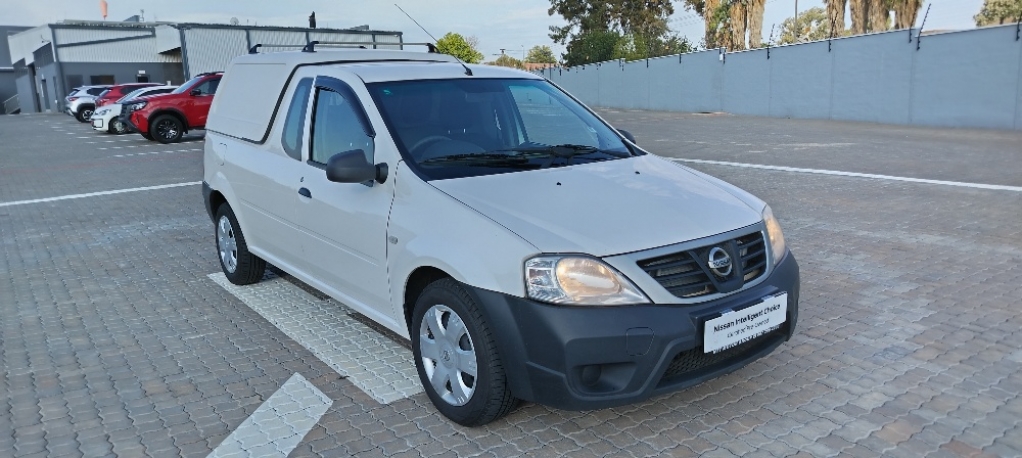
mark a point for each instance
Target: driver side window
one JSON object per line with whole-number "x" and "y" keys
{"x": 336, "y": 128}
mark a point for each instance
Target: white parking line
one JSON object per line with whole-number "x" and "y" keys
{"x": 996, "y": 187}
{"x": 374, "y": 363}
{"x": 279, "y": 424}
{"x": 95, "y": 194}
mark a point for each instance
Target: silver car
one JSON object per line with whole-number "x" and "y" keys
{"x": 81, "y": 102}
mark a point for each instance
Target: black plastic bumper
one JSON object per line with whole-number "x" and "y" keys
{"x": 582, "y": 358}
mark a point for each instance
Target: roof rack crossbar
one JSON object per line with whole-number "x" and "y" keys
{"x": 311, "y": 46}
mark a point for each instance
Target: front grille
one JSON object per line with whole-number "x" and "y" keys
{"x": 695, "y": 360}
{"x": 686, "y": 274}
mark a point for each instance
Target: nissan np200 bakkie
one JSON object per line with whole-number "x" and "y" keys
{"x": 528, "y": 249}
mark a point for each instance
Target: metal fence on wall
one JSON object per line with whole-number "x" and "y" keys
{"x": 969, "y": 78}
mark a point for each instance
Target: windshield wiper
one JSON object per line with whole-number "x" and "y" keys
{"x": 482, "y": 159}
{"x": 566, "y": 151}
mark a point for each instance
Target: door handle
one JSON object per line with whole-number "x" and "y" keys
{"x": 304, "y": 192}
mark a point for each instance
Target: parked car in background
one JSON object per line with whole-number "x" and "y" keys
{"x": 116, "y": 92}
{"x": 107, "y": 117}
{"x": 81, "y": 102}
{"x": 166, "y": 118}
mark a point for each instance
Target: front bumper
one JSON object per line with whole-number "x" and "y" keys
{"x": 135, "y": 123}
{"x": 582, "y": 358}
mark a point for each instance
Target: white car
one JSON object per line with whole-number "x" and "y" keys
{"x": 105, "y": 118}
{"x": 526, "y": 248}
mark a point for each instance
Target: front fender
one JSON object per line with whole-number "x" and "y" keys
{"x": 428, "y": 228}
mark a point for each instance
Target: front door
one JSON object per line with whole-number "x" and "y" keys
{"x": 344, "y": 225}
{"x": 198, "y": 105}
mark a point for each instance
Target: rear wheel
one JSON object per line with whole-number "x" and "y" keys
{"x": 166, "y": 129}
{"x": 240, "y": 266}
{"x": 84, "y": 113}
{"x": 457, "y": 358}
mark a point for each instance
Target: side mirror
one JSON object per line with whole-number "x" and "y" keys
{"x": 352, "y": 167}
{"x": 195, "y": 92}
{"x": 628, "y": 135}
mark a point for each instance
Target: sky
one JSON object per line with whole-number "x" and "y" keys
{"x": 512, "y": 25}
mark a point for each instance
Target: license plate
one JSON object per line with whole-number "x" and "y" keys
{"x": 97, "y": 123}
{"x": 735, "y": 328}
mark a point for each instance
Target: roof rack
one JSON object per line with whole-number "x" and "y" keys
{"x": 311, "y": 46}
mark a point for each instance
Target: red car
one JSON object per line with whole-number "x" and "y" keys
{"x": 116, "y": 92}
{"x": 165, "y": 118}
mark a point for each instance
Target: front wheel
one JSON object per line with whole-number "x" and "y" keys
{"x": 166, "y": 129}
{"x": 456, "y": 357}
{"x": 118, "y": 127}
{"x": 240, "y": 266}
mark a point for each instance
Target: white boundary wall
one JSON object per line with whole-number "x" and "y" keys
{"x": 969, "y": 78}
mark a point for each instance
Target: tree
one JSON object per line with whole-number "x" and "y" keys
{"x": 591, "y": 47}
{"x": 728, "y": 21}
{"x": 999, "y": 12}
{"x": 812, "y": 25}
{"x": 541, "y": 55}
{"x": 873, "y": 15}
{"x": 507, "y": 61}
{"x": 645, "y": 17}
{"x": 457, "y": 46}
{"x": 635, "y": 47}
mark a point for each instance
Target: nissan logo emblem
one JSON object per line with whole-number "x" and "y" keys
{"x": 719, "y": 262}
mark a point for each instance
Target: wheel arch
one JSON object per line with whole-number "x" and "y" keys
{"x": 216, "y": 199}
{"x": 417, "y": 281}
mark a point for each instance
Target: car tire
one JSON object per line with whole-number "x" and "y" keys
{"x": 452, "y": 351}
{"x": 166, "y": 129}
{"x": 84, "y": 113}
{"x": 239, "y": 265}
{"x": 117, "y": 127}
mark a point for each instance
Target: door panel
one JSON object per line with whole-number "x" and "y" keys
{"x": 344, "y": 225}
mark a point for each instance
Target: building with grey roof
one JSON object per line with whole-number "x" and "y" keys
{"x": 50, "y": 60}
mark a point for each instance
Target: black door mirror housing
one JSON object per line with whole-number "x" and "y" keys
{"x": 628, "y": 135}
{"x": 352, "y": 167}
{"x": 195, "y": 92}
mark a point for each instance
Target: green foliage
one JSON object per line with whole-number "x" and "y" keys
{"x": 811, "y": 25}
{"x": 591, "y": 47}
{"x": 635, "y": 47}
{"x": 507, "y": 61}
{"x": 999, "y": 12}
{"x": 541, "y": 55}
{"x": 600, "y": 30}
{"x": 457, "y": 46}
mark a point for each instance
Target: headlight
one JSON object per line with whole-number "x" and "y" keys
{"x": 777, "y": 246}
{"x": 578, "y": 280}
{"x": 137, "y": 106}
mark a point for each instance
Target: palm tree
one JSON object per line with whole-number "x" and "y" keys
{"x": 873, "y": 15}
{"x": 728, "y": 21}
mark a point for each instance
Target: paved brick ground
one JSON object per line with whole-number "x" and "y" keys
{"x": 113, "y": 340}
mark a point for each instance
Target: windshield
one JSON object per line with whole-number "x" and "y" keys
{"x": 188, "y": 85}
{"x": 132, "y": 95}
{"x": 470, "y": 127}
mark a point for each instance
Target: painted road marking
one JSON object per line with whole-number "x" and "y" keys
{"x": 145, "y": 153}
{"x": 374, "y": 363}
{"x": 96, "y": 194}
{"x": 279, "y": 424}
{"x": 996, "y": 187}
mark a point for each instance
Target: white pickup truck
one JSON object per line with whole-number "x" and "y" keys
{"x": 528, "y": 249}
